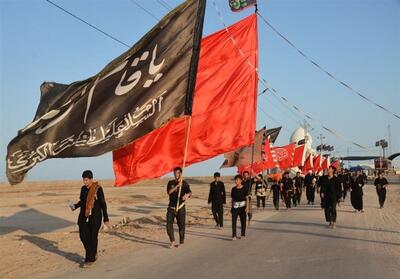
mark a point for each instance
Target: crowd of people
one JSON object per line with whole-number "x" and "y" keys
{"x": 332, "y": 186}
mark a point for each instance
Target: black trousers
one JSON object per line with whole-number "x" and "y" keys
{"x": 295, "y": 199}
{"x": 299, "y": 193}
{"x": 180, "y": 220}
{"x": 330, "y": 211}
{"x": 310, "y": 193}
{"x": 382, "y": 196}
{"x": 260, "y": 199}
{"x": 288, "y": 199}
{"x": 241, "y": 213}
{"x": 88, "y": 233}
{"x": 218, "y": 213}
{"x": 345, "y": 190}
{"x": 276, "y": 201}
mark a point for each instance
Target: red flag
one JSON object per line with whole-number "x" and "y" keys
{"x": 224, "y": 107}
{"x": 336, "y": 164}
{"x": 317, "y": 163}
{"x": 298, "y": 159}
{"x": 269, "y": 161}
{"x": 325, "y": 164}
{"x": 308, "y": 165}
{"x": 253, "y": 170}
{"x": 284, "y": 155}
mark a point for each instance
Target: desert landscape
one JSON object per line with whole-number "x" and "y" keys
{"x": 39, "y": 236}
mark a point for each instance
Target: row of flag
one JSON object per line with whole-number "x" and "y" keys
{"x": 262, "y": 155}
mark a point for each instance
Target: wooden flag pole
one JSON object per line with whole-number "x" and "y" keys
{"x": 179, "y": 206}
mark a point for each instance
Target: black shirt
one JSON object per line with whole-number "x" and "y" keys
{"x": 99, "y": 207}
{"x": 308, "y": 179}
{"x": 217, "y": 193}
{"x": 298, "y": 182}
{"x": 260, "y": 188}
{"x": 358, "y": 185}
{"x": 287, "y": 184}
{"x": 331, "y": 188}
{"x": 275, "y": 189}
{"x": 247, "y": 184}
{"x": 238, "y": 195}
{"x": 379, "y": 182}
{"x": 173, "y": 198}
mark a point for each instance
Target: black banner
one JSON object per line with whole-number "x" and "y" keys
{"x": 136, "y": 93}
{"x": 272, "y": 134}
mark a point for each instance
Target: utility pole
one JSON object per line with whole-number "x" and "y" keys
{"x": 390, "y": 140}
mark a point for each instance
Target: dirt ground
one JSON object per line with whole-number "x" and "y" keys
{"x": 39, "y": 235}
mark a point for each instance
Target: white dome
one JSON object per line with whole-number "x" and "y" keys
{"x": 300, "y": 134}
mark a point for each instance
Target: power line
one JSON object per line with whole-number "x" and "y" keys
{"x": 264, "y": 82}
{"x": 273, "y": 119}
{"x": 87, "y": 23}
{"x": 324, "y": 70}
{"x": 164, "y": 4}
{"x": 144, "y": 9}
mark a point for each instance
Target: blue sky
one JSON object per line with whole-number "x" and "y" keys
{"x": 359, "y": 41}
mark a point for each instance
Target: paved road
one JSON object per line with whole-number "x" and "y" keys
{"x": 284, "y": 244}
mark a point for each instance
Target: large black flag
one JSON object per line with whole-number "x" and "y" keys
{"x": 273, "y": 134}
{"x": 136, "y": 93}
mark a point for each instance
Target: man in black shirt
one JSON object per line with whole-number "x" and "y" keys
{"x": 310, "y": 187}
{"x": 287, "y": 189}
{"x": 175, "y": 210}
{"x": 239, "y": 199}
{"x": 217, "y": 198}
{"x": 298, "y": 187}
{"x": 346, "y": 177}
{"x": 247, "y": 183}
{"x": 331, "y": 191}
{"x": 93, "y": 208}
{"x": 276, "y": 190}
{"x": 380, "y": 184}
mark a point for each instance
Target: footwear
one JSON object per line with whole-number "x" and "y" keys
{"x": 243, "y": 237}
{"x": 234, "y": 238}
{"x": 333, "y": 225}
{"x": 172, "y": 244}
{"x": 219, "y": 228}
{"x": 88, "y": 264}
{"x": 362, "y": 211}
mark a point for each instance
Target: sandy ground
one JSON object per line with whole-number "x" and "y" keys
{"x": 39, "y": 236}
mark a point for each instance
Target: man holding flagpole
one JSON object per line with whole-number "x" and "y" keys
{"x": 174, "y": 212}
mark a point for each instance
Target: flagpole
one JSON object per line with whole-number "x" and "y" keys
{"x": 178, "y": 206}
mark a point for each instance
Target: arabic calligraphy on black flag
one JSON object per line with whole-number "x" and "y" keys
{"x": 145, "y": 87}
